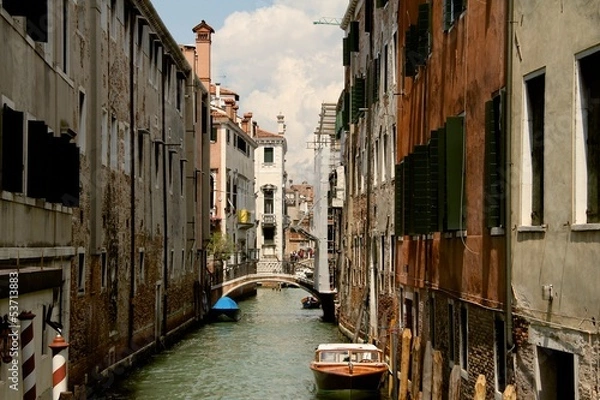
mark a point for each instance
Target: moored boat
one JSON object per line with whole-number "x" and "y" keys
{"x": 348, "y": 367}
{"x": 225, "y": 309}
{"x": 310, "y": 302}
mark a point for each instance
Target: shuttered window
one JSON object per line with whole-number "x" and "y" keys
{"x": 494, "y": 164}
{"x": 399, "y": 201}
{"x": 37, "y": 159}
{"x": 63, "y": 181}
{"x": 11, "y": 172}
{"x": 452, "y": 10}
{"x": 353, "y": 36}
{"x": 358, "y": 98}
{"x": 435, "y": 223}
{"x": 423, "y": 28}
{"x": 420, "y": 190}
{"x": 346, "y": 52}
{"x": 455, "y": 212}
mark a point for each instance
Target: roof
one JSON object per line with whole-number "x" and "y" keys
{"x": 204, "y": 25}
{"x": 264, "y": 134}
{"x": 347, "y": 346}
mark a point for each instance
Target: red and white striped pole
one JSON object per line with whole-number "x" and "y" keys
{"x": 28, "y": 354}
{"x": 59, "y": 366}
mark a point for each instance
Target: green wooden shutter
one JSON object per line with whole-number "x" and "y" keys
{"x": 376, "y": 73}
{"x": 433, "y": 167}
{"x": 441, "y": 206}
{"x": 11, "y": 171}
{"x": 358, "y": 98}
{"x": 407, "y": 195}
{"x": 420, "y": 193}
{"x": 37, "y": 159}
{"x": 399, "y": 201}
{"x": 454, "y": 173}
{"x": 346, "y": 52}
{"x": 423, "y": 33}
{"x": 353, "y": 36}
{"x": 493, "y": 192}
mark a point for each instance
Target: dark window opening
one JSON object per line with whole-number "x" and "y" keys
{"x": 499, "y": 332}
{"x": 269, "y": 202}
{"x": 11, "y": 174}
{"x": 269, "y": 155}
{"x": 464, "y": 337}
{"x": 35, "y": 13}
{"x": 557, "y": 374}
{"x": 590, "y": 94}
{"x": 269, "y": 235}
{"x": 81, "y": 273}
{"x": 452, "y": 10}
{"x": 536, "y": 96}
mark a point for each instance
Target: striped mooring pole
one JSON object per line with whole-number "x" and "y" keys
{"x": 59, "y": 366}
{"x": 28, "y": 355}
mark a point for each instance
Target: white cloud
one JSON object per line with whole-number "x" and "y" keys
{"x": 278, "y": 61}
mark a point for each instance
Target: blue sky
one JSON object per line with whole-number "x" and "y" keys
{"x": 274, "y": 57}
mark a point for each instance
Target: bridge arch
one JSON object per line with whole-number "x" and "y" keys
{"x": 232, "y": 285}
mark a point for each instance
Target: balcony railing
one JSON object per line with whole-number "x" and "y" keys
{"x": 269, "y": 220}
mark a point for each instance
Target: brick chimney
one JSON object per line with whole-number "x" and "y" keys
{"x": 247, "y": 122}
{"x": 203, "y": 33}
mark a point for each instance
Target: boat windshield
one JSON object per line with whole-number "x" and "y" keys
{"x": 352, "y": 356}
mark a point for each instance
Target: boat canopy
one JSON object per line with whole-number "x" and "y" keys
{"x": 225, "y": 303}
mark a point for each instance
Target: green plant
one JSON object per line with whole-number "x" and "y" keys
{"x": 220, "y": 246}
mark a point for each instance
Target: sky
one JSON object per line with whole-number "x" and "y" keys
{"x": 275, "y": 57}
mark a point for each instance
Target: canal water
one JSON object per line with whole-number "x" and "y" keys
{"x": 264, "y": 356}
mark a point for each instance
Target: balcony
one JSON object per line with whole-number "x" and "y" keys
{"x": 244, "y": 219}
{"x": 269, "y": 220}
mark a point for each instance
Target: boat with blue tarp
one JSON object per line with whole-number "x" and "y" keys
{"x": 225, "y": 309}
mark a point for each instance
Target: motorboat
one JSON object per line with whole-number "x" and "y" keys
{"x": 310, "y": 302}
{"x": 349, "y": 367}
{"x": 225, "y": 309}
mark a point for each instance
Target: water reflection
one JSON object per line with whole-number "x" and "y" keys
{"x": 265, "y": 355}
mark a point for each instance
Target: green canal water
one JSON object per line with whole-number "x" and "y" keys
{"x": 264, "y": 356}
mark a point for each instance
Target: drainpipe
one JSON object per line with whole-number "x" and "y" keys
{"x": 508, "y": 171}
{"x": 165, "y": 272}
{"x": 132, "y": 137}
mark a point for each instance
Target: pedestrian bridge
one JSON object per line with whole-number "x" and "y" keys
{"x": 299, "y": 273}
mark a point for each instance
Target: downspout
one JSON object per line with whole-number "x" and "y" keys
{"x": 165, "y": 272}
{"x": 132, "y": 137}
{"x": 508, "y": 171}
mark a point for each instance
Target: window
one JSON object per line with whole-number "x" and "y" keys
{"x": 269, "y": 202}
{"x": 63, "y": 62}
{"x": 127, "y": 156}
{"x": 182, "y": 177}
{"x": 157, "y": 155}
{"x": 269, "y": 155}
{"x": 36, "y": 16}
{"x": 11, "y": 174}
{"x": 114, "y": 143}
{"x": 451, "y": 333}
{"x": 140, "y": 153}
{"x": 81, "y": 137}
{"x": 269, "y": 235}
{"x": 500, "y": 349}
{"x": 494, "y": 163}
{"x": 81, "y": 273}
{"x": 452, "y": 10}
{"x": 587, "y": 151}
{"x": 464, "y": 337}
{"x": 104, "y": 135}
{"x": 142, "y": 266}
{"x": 103, "y": 270}
{"x": 38, "y": 143}
{"x": 557, "y": 373}
{"x": 532, "y": 186}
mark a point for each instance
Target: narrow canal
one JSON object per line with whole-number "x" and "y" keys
{"x": 265, "y": 355}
